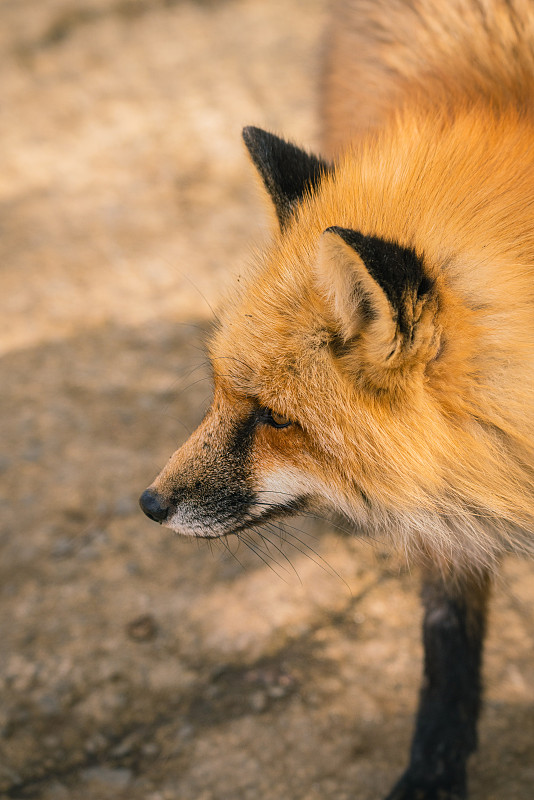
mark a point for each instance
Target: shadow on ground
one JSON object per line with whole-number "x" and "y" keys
{"x": 135, "y": 664}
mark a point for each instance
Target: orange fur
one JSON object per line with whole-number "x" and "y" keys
{"x": 382, "y": 53}
{"x": 434, "y": 446}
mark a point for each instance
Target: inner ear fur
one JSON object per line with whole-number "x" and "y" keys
{"x": 379, "y": 298}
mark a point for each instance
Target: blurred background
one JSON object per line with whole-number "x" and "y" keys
{"x": 134, "y": 664}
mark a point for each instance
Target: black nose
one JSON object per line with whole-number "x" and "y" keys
{"x": 154, "y": 505}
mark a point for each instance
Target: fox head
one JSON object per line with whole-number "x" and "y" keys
{"x": 336, "y": 376}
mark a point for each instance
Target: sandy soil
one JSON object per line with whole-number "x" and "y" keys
{"x": 134, "y": 664}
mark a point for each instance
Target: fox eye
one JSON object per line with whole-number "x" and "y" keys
{"x": 275, "y": 420}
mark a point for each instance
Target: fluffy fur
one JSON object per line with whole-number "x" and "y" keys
{"x": 378, "y": 357}
{"x": 441, "y": 441}
{"x": 436, "y": 445}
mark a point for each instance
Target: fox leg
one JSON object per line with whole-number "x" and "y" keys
{"x": 446, "y": 725}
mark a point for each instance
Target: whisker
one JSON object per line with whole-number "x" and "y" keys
{"x": 191, "y": 325}
{"x": 224, "y": 542}
{"x": 310, "y": 514}
{"x": 233, "y": 358}
{"x": 331, "y": 524}
{"x": 179, "y": 421}
{"x": 186, "y": 373}
{"x": 258, "y": 553}
{"x": 190, "y": 386}
{"x": 320, "y": 518}
{"x": 195, "y": 287}
{"x": 325, "y": 566}
{"x": 182, "y": 389}
{"x": 279, "y": 550}
{"x": 301, "y": 530}
{"x": 265, "y": 550}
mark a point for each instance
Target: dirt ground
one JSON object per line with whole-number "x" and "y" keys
{"x": 134, "y": 664}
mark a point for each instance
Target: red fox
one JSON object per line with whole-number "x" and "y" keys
{"x": 379, "y": 357}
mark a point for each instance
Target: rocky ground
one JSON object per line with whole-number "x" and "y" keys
{"x": 134, "y": 664}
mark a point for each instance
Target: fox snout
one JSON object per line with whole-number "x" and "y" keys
{"x": 228, "y": 475}
{"x": 204, "y": 490}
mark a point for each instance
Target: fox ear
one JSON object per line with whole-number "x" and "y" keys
{"x": 378, "y": 292}
{"x": 287, "y": 171}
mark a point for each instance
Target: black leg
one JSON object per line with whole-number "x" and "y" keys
{"x": 446, "y": 725}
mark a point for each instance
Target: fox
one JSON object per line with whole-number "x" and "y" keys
{"x": 377, "y": 358}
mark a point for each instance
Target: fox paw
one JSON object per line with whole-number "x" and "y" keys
{"x": 418, "y": 788}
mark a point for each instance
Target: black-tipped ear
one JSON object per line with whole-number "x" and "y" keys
{"x": 286, "y": 170}
{"x": 379, "y": 296}
{"x": 397, "y": 270}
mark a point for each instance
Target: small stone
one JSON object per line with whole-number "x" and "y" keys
{"x": 142, "y": 629}
{"x": 64, "y": 547}
{"x": 150, "y": 750}
{"x": 117, "y": 778}
{"x": 276, "y": 692}
{"x": 88, "y": 553}
{"x": 51, "y": 741}
{"x": 185, "y": 731}
{"x": 125, "y": 747}
{"x": 57, "y": 791}
{"x": 96, "y": 744}
{"x": 258, "y": 701}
